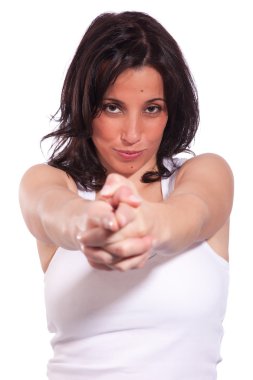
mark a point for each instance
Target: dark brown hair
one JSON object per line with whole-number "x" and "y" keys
{"x": 113, "y": 43}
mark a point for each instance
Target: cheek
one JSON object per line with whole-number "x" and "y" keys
{"x": 156, "y": 134}
{"x": 102, "y": 137}
{"x": 103, "y": 131}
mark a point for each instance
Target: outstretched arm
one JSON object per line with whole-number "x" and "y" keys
{"x": 56, "y": 215}
{"x": 53, "y": 211}
{"x": 197, "y": 208}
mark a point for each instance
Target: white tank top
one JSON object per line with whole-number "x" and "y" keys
{"x": 160, "y": 322}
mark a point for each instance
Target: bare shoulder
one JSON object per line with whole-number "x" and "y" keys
{"x": 41, "y": 175}
{"x": 35, "y": 183}
{"x": 204, "y": 159}
{"x": 207, "y": 168}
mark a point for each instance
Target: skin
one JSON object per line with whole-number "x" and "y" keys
{"x": 118, "y": 230}
{"x": 134, "y": 117}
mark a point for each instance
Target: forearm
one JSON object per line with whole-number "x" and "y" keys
{"x": 180, "y": 222}
{"x": 51, "y": 206}
{"x": 61, "y": 214}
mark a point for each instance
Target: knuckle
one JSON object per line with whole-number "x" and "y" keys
{"x": 119, "y": 250}
{"x": 92, "y": 264}
{"x": 95, "y": 257}
{"x": 109, "y": 259}
{"x": 120, "y": 267}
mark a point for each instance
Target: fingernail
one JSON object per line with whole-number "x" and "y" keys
{"x": 106, "y": 190}
{"x": 135, "y": 198}
{"x": 82, "y": 247}
{"x": 108, "y": 223}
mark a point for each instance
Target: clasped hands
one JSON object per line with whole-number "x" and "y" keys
{"x": 118, "y": 233}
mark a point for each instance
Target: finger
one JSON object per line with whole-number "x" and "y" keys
{"x": 97, "y": 209}
{"x": 124, "y": 190}
{"x": 94, "y": 237}
{"x": 98, "y": 229}
{"x": 125, "y": 195}
{"x": 129, "y": 247}
{"x": 113, "y": 183}
{"x": 124, "y": 214}
{"x": 100, "y": 256}
{"x": 136, "y": 262}
{"x": 107, "y": 221}
{"x": 100, "y": 266}
{"x": 110, "y": 223}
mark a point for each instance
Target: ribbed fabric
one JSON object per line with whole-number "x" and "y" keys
{"x": 160, "y": 322}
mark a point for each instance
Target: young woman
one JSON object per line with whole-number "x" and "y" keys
{"x": 133, "y": 240}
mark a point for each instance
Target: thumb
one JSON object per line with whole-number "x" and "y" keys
{"x": 125, "y": 195}
{"x": 113, "y": 182}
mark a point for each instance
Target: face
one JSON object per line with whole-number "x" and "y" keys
{"x": 128, "y": 131}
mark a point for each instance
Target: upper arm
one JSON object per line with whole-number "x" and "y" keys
{"x": 209, "y": 178}
{"x": 35, "y": 183}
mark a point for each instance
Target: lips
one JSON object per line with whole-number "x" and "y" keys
{"x": 129, "y": 154}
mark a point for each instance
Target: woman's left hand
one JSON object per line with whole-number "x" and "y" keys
{"x": 130, "y": 246}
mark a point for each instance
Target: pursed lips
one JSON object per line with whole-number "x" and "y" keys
{"x": 129, "y": 154}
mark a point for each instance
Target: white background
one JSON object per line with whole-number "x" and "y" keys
{"x": 38, "y": 40}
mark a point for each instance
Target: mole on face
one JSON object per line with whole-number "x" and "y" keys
{"x": 141, "y": 91}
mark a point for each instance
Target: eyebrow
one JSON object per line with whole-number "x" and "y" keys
{"x": 146, "y": 102}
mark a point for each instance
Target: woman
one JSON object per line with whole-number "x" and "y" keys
{"x": 133, "y": 240}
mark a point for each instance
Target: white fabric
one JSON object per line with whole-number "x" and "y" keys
{"x": 160, "y": 322}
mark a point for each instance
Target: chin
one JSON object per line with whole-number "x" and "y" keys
{"x": 125, "y": 171}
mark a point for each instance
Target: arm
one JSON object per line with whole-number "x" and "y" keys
{"x": 200, "y": 203}
{"x": 52, "y": 209}
{"x": 197, "y": 208}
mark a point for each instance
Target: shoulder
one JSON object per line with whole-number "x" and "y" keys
{"x": 44, "y": 174}
{"x": 206, "y": 165}
{"x": 210, "y": 177}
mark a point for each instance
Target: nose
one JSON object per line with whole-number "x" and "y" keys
{"x": 131, "y": 132}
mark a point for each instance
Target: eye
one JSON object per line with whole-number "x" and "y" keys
{"x": 111, "y": 108}
{"x": 153, "y": 109}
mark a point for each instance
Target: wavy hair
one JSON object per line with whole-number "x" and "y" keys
{"x": 113, "y": 43}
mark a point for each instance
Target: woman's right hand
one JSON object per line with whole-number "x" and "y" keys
{"x": 96, "y": 241}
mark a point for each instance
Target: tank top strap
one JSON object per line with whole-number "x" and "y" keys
{"x": 168, "y": 184}
{"x": 88, "y": 195}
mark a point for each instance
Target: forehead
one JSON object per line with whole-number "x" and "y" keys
{"x": 144, "y": 80}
